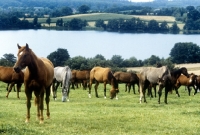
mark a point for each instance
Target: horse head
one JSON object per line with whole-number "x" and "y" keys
{"x": 114, "y": 90}
{"x": 184, "y": 71}
{"x": 23, "y": 58}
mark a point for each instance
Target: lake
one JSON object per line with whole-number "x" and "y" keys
{"x": 90, "y": 43}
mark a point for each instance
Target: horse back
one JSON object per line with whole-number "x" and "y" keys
{"x": 152, "y": 74}
{"x": 83, "y": 75}
{"x": 100, "y": 74}
{"x": 123, "y": 77}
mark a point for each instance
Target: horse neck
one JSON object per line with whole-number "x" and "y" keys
{"x": 114, "y": 83}
{"x": 34, "y": 64}
{"x": 177, "y": 73}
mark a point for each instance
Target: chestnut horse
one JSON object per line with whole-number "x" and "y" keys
{"x": 188, "y": 82}
{"x": 38, "y": 78}
{"x": 82, "y": 76}
{"x": 128, "y": 78}
{"x": 103, "y": 75}
{"x": 9, "y": 76}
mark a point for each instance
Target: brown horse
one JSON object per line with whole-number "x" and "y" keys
{"x": 38, "y": 78}
{"x": 103, "y": 75}
{"x": 188, "y": 82}
{"x": 8, "y": 75}
{"x": 129, "y": 78}
{"x": 82, "y": 76}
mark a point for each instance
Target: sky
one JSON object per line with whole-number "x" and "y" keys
{"x": 141, "y": 0}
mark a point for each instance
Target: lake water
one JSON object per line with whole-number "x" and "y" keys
{"x": 90, "y": 43}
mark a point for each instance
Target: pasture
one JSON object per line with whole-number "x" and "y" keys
{"x": 103, "y": 116}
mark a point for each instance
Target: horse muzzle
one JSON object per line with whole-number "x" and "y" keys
{"x": 17, "y": 69}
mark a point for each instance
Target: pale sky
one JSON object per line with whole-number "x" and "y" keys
{"x": 141, "y": 0}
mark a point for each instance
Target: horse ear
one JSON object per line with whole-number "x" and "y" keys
{"x": 18, "y": 46}
{"x": 27, "y": 47}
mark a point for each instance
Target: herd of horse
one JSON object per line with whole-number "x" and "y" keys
{"x": 39, "y": 76}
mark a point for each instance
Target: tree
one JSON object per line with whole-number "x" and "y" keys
{"x": 78, "y": 63}
{"x": 66, "y": 11}
{"x": 100, "y": 23}
{"x": 185, "y": 53}
{"x": 59, "y": 22}
{"x": 59, "y": 57}
{"x": 76, "y": 24}
{"x": 164, "y": 27}
{"x": 117, "y": 60}
{"x": 8, "y": 60}
{"x": 153, "y": 26}
{"x": 99, "y": 56}
{"x": 48, "y": 21}
{"x": 83, "y": 9}
{"x": 174, "y": 29}
{"x": 113, "y": 25}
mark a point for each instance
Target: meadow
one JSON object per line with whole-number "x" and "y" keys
{"x": 99, "y": 116}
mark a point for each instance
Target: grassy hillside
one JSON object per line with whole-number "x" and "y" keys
{"x": 91, "y": 18}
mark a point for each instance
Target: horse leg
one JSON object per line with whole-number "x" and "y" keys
{"x": 41, "y": 107}
{"x": 90, "y": 86}
{"x": 155, "y": 90}
{"x": 39, "y": 97}
{"x": 10, "y": 88}
{"x": 28, "y": 103}
{"x": 7, "y": 86}
{"x": 105, "y": 90}
{"x": 47, "y": 99}
{"x": 129, "y": 87}
{"x": 166, "y": 93}
{"x": 126, "y": 85}
{"x": 18, "y": 88}
{"x": 189, "y": 90}
{"x": 134, "y": 88}
{"x": 95, "y": 87}
{"x": 141, "y": 89}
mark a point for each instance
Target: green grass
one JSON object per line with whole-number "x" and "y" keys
{"x": 101, "y": 116}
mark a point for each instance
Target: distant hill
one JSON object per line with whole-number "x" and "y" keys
{"x": 96, "y": 3}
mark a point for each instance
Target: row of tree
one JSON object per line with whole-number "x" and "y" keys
{"x": 180, "y": 53}
{"x": 137, "y": 25}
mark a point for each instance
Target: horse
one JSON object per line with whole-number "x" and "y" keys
{"x": 153, "y": 75}
{"x": 174, "y": 76}
{"x": 82, "y": 76}
{"x": 127, "y": 78}
{"x": 38, "y": 78}
{"x": 62, "y": 75}
{"x": 188, "y": 82}
{"x": 103, "y": 75}
{"x": 9, "y": 76}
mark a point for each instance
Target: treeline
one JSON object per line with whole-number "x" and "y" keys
{"x": 13, "y": 22}
{"x": 180, "y": 53}
{"x": 137, "y": 25}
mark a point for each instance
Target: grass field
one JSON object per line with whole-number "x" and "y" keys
{"x": 101, "y": 116}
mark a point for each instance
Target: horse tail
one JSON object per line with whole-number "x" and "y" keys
{"x": 67, "y": 78}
